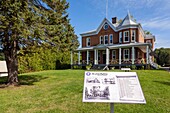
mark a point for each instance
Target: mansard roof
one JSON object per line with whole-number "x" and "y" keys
{"x": 128, "y": 20}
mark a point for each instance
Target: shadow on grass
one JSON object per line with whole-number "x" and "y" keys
{"x": 162, "y": 82}
{"x": 23, "y": 80}
{"x": 30, "y": 79}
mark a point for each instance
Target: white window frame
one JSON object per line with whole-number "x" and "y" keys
{"x": 101, "y": 40}
{"x": 125, "y": 53}
{"x": 125, "y": 36}
{"x": 87, "y": 42}
{"x": 104, "y": 27}
{"x": 113, "y": 54}
{"x": 110, "y": 38}
{"x": 120, "y": 37}
{"x": 107, "y": 39}
{"x": 133, "y": 35}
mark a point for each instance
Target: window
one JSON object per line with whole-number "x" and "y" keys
{"x": 113, "y": 54}
{"x": 111, "y": 38}
{"x": 148, "y": 41}
{"x": 133, "y": 35}
{"x": 126, "y": 36}
{"x": 101, "y": 39}
{"x": 106, "y": 39}
{"x": 106, "y": 26}
{"x": 87, "y": 41}
{"x": 120, "y": 37}
{"x": 126, "y": 54}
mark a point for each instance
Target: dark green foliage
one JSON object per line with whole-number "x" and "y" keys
{"x": 37, "y": 32}
{"x": 163, "y": 56}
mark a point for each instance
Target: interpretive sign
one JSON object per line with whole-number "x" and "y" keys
{"x": 3, "y": 69}
{"x": 112, "y": 87}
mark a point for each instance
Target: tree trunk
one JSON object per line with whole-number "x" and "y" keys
{"x": 12, "y": 65}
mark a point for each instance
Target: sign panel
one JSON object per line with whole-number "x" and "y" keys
{"x": 112, "y": 87}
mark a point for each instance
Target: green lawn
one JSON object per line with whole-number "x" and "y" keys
{"x": 60, "y": 91}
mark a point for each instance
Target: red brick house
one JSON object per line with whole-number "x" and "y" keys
{"x": 116, "y": 44}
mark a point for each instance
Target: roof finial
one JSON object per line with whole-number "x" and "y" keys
{"x": 106, "y": 7}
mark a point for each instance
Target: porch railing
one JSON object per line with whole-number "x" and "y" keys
{"x": 115, "y": 61}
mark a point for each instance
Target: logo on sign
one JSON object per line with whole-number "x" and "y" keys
{"x": 88, "y": 73}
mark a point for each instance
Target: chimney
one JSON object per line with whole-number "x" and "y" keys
{"x": 114, "y": 20}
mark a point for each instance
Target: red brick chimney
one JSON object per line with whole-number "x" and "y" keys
{"x": 114, "y": 20}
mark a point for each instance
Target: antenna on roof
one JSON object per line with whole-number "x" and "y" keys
{"x": 106, "y": 7}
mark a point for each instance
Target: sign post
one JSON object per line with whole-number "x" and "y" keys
{"x": 111, "y": 107}
{"x": 112, "y": 87}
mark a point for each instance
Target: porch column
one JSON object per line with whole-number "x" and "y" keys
{"x": 95, "y": 57}
{"x": 133, "y": 55}
{"x": 71, "y": 60}
{"x": 79, "y": 58}
{"x": 87, "y": 56}
{"x": 107, "y": 56}
{"x": 147, "y": 54}
{"x": 120, "y": 56}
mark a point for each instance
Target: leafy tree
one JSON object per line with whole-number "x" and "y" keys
{"x": 147, "y": 32}
{"x": 26, "y": 24}
{"x": 163, "y": 56}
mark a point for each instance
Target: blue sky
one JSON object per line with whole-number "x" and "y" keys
{"x": 154, "y": 16}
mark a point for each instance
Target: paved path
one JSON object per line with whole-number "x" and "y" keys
{"x": 166, "y": 68}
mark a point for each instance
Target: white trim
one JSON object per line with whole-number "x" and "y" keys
{"x": 133, "y": 31}
{"x": 95, "y": 56}
{"x": 107, "y": 56}
{"x": 88, "y": 41}
{"x": 105, "y": 26}
{"x": 87, "y": 57}
{"x": 107, "y": 39}
{"x": 112, "y": 38}
{"x": 102, "y": 39}
{"x": 124, "y": 54}
{"x": 124, "y": 36}
{"x": 116, "y": 29}
{"x": 79, "y": 58}
{"x": 133, "y": 55}
{"x": 120, "y": 54}
{"x": 147, "y": 54}
{"x": 71, "y": 59}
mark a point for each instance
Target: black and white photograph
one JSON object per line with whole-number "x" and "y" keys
{"x": 97, "y": 92}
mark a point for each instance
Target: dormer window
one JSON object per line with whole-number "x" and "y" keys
{"x": 126, "y": 36}
{"x": 87, "y": 42}
{"x": 106, "y": 26}
{"x": 133, "y": 36}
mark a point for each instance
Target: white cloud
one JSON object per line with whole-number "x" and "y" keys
{"x": 161, "y": 23}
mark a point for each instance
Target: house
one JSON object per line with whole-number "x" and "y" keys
{"x": 115, "y": 44}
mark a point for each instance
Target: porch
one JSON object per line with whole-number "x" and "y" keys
{"x": 118, "y": 55}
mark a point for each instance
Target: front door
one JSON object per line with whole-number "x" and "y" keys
{"x": 104, "y": 58}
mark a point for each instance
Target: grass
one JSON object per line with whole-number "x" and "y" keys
{"x": 60, "y": 91}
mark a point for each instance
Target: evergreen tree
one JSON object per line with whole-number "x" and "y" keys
{"x": 33, "y": 23}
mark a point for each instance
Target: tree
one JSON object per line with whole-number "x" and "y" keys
{"x": 163, "y": 56}
{"x": 147, "y": 32}
{"x": 27, "y": 23}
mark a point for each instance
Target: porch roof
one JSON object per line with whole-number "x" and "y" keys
{"x": 113, "y": 46}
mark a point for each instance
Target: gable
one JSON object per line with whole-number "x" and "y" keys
{"x": 95, "y": 32}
